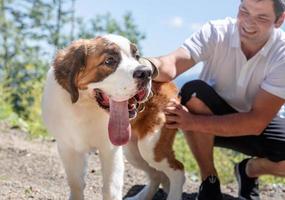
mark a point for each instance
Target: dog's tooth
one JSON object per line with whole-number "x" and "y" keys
{"x": 150, "y": 94}
{"x": 135, "y": 101}
{"x": 141, "y": 107}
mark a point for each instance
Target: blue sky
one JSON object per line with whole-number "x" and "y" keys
{"x": 166, "y": 23}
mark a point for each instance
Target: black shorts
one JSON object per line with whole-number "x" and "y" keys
{"x": 262, "y": 146}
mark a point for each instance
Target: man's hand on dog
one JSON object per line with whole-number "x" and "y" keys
{"x": 147, "y": 62}
{"x": 177, "y": 116}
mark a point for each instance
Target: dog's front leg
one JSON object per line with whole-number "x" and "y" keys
{"x": 74, "y": 163}
{"x": 113, "y": 172}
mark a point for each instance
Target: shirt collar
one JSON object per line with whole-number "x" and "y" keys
{"x": 266, "y": 48}
{"x": 235, "y": 41}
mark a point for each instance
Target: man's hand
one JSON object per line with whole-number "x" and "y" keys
{"x": 178, "y": 116}
{"x": 147, "y": 62}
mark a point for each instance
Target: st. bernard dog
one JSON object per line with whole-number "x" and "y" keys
{"x": 98, "y": 96}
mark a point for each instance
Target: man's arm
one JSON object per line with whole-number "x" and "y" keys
{"x": 265, "y": 107}
{"x": 172, "y": 65}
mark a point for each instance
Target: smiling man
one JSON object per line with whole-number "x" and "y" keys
{"x": 235, "y": 103}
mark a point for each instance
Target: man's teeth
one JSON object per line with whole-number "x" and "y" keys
{"x": 248, "y": 31}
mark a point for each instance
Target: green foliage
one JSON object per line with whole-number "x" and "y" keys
{"x": 224, "y": 161}
{"x": 30, "y": 33}
{"x": 30, "y": 100}
{"x": 6, "y": 111}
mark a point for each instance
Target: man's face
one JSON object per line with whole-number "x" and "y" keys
{"x": 256, "y": 20}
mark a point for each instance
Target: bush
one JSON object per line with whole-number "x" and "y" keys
{"x": 21, "y": 91}
{"x": 6, "y": 111}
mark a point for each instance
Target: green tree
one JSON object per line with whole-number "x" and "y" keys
{"x": 30, "y": 33}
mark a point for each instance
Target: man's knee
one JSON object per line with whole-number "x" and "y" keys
{"x": 195, "y": 105}
{"x": 191, "y": 89}
{"x": 207, "y": 99}
{"x": 189, "y": 97}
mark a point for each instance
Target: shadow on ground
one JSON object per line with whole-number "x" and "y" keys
{"x": 160, "y": 195}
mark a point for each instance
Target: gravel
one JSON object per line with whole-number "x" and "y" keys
{"x": 31, "y": 169}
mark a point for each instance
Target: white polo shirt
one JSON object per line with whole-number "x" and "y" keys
{"x": 228, "y": 71}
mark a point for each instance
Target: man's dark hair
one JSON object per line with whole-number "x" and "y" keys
{"x": 279, "y": 7}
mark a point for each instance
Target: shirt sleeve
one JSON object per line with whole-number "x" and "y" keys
{"x": 201, "y": 44}
{"x": 274, "y": 82}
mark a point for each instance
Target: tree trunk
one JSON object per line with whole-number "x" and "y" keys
{"x": 72, "y": 20}
{"x": 58, "y": 23}
{"x": 4, "y": 36}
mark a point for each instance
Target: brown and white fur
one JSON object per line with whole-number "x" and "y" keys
{"x": 85, "y": 78}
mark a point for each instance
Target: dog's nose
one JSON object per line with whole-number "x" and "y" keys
{"x": 142, "y": 74}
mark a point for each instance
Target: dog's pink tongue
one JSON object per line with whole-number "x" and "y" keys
{"x": 119, "y": 125}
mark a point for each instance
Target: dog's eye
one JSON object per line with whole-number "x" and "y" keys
{"x": 110, "y": 61}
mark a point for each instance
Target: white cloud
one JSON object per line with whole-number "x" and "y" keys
{"x": 176, "y": 22}
{"x": 195, "y": 26}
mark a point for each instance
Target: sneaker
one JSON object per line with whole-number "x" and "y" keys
{"x": 248, "y": 187}
{"x": 210, "y": 189}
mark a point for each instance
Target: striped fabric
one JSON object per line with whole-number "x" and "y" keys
{"x": 276, "y": 129}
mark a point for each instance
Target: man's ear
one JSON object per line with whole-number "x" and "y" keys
{"x": 67, "y": 64}
{"x": 280, "y": 20}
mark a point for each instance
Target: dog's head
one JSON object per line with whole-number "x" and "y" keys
{"x": 108, "y": 68}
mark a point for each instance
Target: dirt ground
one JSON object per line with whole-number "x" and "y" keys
{"x": 31, "y": 169}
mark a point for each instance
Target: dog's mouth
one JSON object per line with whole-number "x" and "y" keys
{"x": 120, "y": 114}
{"x": 134, "y": 103}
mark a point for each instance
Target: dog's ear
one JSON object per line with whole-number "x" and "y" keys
{"x": 67, "y": 64}
{"x": 78, "y": 64}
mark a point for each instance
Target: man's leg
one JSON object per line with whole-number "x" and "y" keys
{"x": 268, "y": 157}
{"x": 200, "y": 98}
{"x": 273, "y": 161}
{"x": 201, "y": 145}
{"x": 202, "y": 148}
{"x": 262, "y": 166}
{"x": 248, "y": 171}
